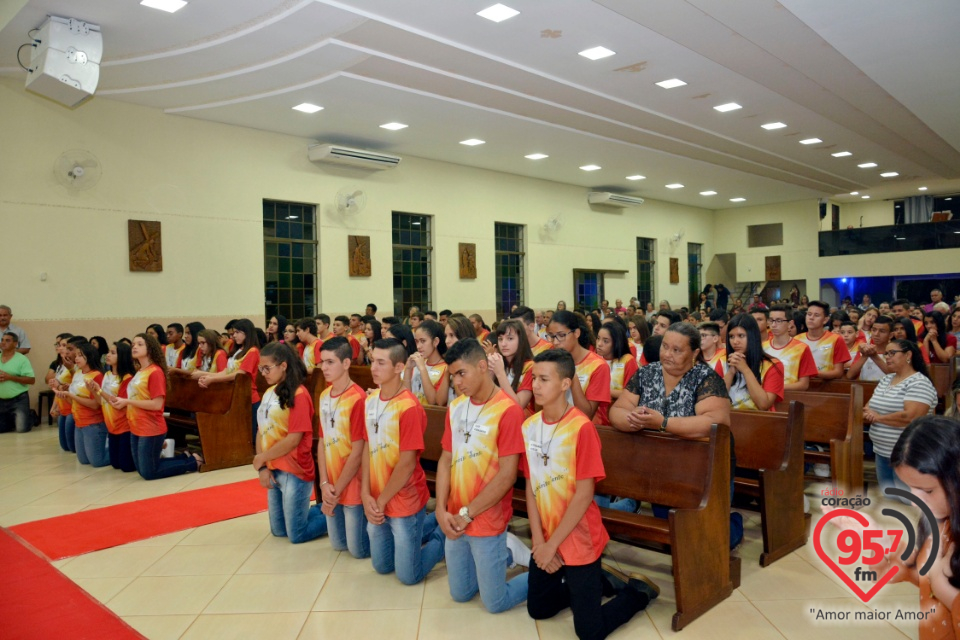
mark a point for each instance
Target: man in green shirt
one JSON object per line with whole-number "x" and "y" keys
{"x": 16, "y": 376}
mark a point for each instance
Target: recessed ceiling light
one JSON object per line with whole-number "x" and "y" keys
{"x": 867, "y": 165}
{"x": 637, "y": 177}
{"x": 865, "y": 197}
{"x": 536, "y": 156}
{"x": 770, "y": 126}
{"x": 737, "y": 199}
{"x": 674, "y": 185}
{"x": 393, "y": 126}
{"x": 889, "y": 174}
{"x": 730, "y": 106}
{"x": 948, "y": 199}
{"x": 590, "y": 167}
{"x": 306, "y": 107}
{"x": 673, "y": 83}
{"x": 708, "y": 193}
{"x": 811, "y": 141}
{"x": 841, "y": 154}
{"x": 169, "y": 6}
{"x": 498, "y": 13}
{"x": 922, "y": 189}
{"x": 472, "y": 142}
{"x": 854, "y": 193}
{"x": 597, "y": 53}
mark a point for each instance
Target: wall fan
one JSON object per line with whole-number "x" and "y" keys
{"x": 77, "y": 169}
{"x": 351, "y": 201}
{"x": 551, "y": 227}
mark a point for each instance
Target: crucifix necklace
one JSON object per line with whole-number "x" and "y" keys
{"x": 466, "y": 433}
{"x": 545, "y": 447}
{"x": 376, "y": 426}
{"x": 333, "y": 412}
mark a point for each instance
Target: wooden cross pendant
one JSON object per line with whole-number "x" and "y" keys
{"x": 545, "y": 458}
{"x": 466, "y": 437}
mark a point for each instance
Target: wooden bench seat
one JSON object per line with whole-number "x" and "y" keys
{"x": 835, "y": 420}
{"x": 692, "y": 477}
{"x": 770, "y": 444}
{"x": 222, "y": 417}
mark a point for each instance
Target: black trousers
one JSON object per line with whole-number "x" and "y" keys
{"x": 581, "y": 589}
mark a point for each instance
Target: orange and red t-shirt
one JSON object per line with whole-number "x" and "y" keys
{"x": 796, "y": 358}
{"x": 482, "y": 335}
{"x": 477, "y": 437}
{"x": 211, "y": 364}
{"x": 771, "y": 380}
{"x": 721, "y": 354}
{"x": 354, "y": 345}
{"x": 248, "y": 362}
{"x": 311, "y": 355}
{"x": 116, "y": 419}
{"x": 828, "y": 351}
{"x": 275, "y": 423}
{"x": 557, "y": 456}
{"x": 147, "y": 384}
{"x": 541, "y": 346}
{"x": 85, "y": 416}
{"x": 396, "y": 425}
{"x": 64, "y": 376}
{"x": 620, "y": 373}
{"x": 436, "y": 373}
{"x": 172, "y": 355}
{"x": 593, "y": 374}
{"x": 342, "y": 424}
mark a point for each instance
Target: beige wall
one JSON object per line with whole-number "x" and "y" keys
{"x": 876, "y": 213}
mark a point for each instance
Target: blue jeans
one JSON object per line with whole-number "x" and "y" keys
{"x": 146, "y": 457}
{"x": 67, "y": 428}
{"x": 288, "y": 505}
{"x": 347, "y": 528}
{"x": 406, "y": 546}
{"x": 617, "y": 504}
{"x": 91, "y": 442}
{"x": 887, "y": 477}
{"x": 118, "y": 448}
{"x": 479, "y": 563}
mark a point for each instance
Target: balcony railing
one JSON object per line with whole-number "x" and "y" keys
{"x": 894, "y": 238}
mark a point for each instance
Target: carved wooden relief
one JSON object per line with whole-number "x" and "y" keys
{"x": 146, "y": 253}
{"x": 358, "y": 248}
{"x": 468, "y": 260}
{"x": 772, "y": 269}
{"x": 674, "y": 270}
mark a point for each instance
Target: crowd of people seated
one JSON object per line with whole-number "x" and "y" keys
{"x": 523, "y": 397}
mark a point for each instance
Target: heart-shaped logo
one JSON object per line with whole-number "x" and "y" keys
{"x": 839, "y": 513}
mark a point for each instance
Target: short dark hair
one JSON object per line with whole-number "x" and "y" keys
{"x": 566, "y": 367}
{"x": 468, "y": 350}
{"x": 651, "y": 349}
{"x": 398, "y": 353}
{"x": 308, "y": 324}
{"x": 417, "y": 314}
{"x": 446, "y": 312}
{"x": 719, "y": 315}
{"x": 176, "y": 326}
{"x": 903, "y": 302}
{"x": 710, "y": 326}
{"x": 356, "y": 315}
{"x": 820, "y": 304}
{"x": 342, "y": 319}
{"x": 322, "y": 317}
{"x": 887, "y": 320}
{"x": 758, "y": 309}
{"x": 524, "y": 313}
{"x": 670, "y": 315}
{"x": 782, "y": 308}
{"x": 431, "y": 313}
{"x": 391, "y": 320}
{"x": 340, "y": 347}
{"x": 372, "y": 306}
{"x": 16, "y": 338}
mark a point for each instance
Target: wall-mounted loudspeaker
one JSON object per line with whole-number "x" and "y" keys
{"x": 65, "y": 60}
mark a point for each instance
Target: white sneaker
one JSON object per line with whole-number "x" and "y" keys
{"x": 806, "y": 504}
{"x": 821, "y": 470}
{"x": 520, "y": 553}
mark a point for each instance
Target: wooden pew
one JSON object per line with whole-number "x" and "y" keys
{"x": 690, "y": 476}
{"x": 361, "y": 375}
{"x": 223, "y": 419}
{"x": 771, "y": 444}
{"x": 834, "y": 419}
{"x": 843, "y": 387}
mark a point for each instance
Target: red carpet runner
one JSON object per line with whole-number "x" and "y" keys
{"x": 86, "y": 531}
{"x": 41, "y": 602}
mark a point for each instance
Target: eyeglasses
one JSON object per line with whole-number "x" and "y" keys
{"x": 557, "y": 337}
{"x": 892, "y": 352}
{"x": 267, "y": 368}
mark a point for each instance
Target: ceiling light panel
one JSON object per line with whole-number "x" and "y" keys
{"x": 738, "y": 199}
{"x": 673, "y": 83}
{"x": 674, "y": 185}
{"x": 498, "y": 13}
{"x": 472, "y": 142}
{"x": 730, "y": 106}
{"x": 591, "y": 167}
{"x": 597, "y": 53}
{"x": 921, "y": 189}
{"x": 393, "y": 126}
{"x": 637, "y": 177}
{"x": 708, "y": 193}
{"x": 536, "y": 156}
{"x": 841, "y": 154}
{"x": 770, "y": 126}
{"x": 306, "y": 107}
{"x": 889, "y": 174}
{"x": 170, "y": 6}
{"x": 867, "y": 165}
{"x": 811, "y": 141}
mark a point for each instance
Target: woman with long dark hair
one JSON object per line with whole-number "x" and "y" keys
{"x": 753, "y": 378}
{"x": 245, "y": 356}
{"x": 904, "y": 329}
{"x": 613, "y": 347}
{"x": 568, "y": 331}
{"x": 425, "y": 373}
{"x": 373, "y": 332}
{"x": 284, "y": 440}
{"x": 114, "y": 385}
{"x": 512, "y": 363}
{"x": 91, "y": 433}
{"x": 158, "y": 333}
{"x": 940, "y": 345}
{"x": 188, "y": 357}
{"x": 275, "y": 327}
{"x": 404, "y": 336}
{"x": 211, "y": 356}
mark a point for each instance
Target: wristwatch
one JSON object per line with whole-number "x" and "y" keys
{"x": 465, "y": 514}
{"x": 663, "y": 425}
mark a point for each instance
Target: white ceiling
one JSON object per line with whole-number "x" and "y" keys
{"x": 879, "y": 79}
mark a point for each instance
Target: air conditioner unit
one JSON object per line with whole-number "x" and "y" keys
{"x": 613, "y": 199}
{"x": 352, "y": 157}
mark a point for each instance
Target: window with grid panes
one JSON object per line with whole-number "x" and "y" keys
{"x": 646, "y": 258}
{"x": 508, "y": 258}
{"x": 694, "y": 273}
{"x": 289, "y": 259}
{"x": 412, "y": 257}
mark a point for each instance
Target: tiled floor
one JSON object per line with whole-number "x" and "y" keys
{"x": 233, "y": 580}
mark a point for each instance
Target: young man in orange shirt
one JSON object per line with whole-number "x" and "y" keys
{"x": 393, "y": 487}
{"x": 482, "y": 446}
{"x": 828, "y": 349}
{"x": 477, "y": 321}
{"x": 537, "y": 344}
{"x": 323, "y": 327}
{"x": 798, "y": 363}
{"x": 341, "y": 329}
{"x": 562, "y": 464}
{"x": 175, "y": 345}
{"x": 342, "y": 410}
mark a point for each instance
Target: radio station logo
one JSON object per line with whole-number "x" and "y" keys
{"x": 865, "y": 547}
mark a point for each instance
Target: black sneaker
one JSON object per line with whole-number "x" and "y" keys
{"x": 644, "y": 586}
